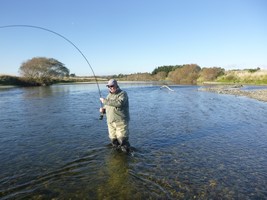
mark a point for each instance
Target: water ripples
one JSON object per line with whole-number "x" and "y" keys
{"x": 186, "y": 145}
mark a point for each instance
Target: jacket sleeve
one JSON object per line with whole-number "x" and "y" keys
{"x": 117, "y": 102}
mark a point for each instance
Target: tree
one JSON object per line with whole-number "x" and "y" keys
{"x": 43, "y": 70}
{"x": 167, "y": 69}
{"x": 210, "y": 74}
{"x": 160, "y": 76}
{"x": 188, "y": 74}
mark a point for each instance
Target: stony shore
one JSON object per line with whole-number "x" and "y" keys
{"x": 260, "y": 94}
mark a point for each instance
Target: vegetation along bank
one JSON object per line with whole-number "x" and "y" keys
{"x": 40, "y": 71}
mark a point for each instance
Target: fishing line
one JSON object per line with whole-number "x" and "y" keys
{"x": 48, "y": 30}
{"x": 66, "y": 39}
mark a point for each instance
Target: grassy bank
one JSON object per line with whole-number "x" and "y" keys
{"x": 7, "y": 80}
{"x": 17, "y": 81}
{"x": 244, "y": 77}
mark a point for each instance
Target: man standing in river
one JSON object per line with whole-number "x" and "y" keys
{"x": 116, "y": 107}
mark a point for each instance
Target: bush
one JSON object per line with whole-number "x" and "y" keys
{"x": 188, "y": 74}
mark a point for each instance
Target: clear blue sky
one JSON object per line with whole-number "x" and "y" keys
{"x": 130, "y": 36}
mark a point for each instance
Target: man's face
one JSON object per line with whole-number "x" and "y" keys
{"x": 112, "y": 88}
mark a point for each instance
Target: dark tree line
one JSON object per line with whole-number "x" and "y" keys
{"x": 166, "y": 69}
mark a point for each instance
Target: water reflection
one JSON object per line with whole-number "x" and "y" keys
{"x": 117, "y": 184}
{"x": 38, "y": 92}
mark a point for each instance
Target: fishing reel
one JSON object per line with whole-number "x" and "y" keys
{"x": 102, "y": 114}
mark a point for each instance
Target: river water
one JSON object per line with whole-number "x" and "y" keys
{"x": 187, "y": 144}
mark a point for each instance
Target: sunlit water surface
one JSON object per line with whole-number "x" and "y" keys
{"x": 186, "y": 144}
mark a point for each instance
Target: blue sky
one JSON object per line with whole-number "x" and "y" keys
{"x": 130, "y": 36}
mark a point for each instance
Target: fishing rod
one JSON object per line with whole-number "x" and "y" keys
{"x": 70, "y": 42}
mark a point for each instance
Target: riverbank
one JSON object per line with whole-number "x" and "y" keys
{"x": 236, "y": 90}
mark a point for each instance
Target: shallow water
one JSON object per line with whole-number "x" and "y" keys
{"x": 186, "y": 144}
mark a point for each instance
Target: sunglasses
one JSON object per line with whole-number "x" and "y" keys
{"x": 111, "y": 86}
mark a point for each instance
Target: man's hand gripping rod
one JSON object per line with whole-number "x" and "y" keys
{"x": 103, "y": 110}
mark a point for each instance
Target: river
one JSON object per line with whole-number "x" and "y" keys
{"x": 186, "y": 144}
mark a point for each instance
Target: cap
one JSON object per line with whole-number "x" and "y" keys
{"x": 112, "y": 82}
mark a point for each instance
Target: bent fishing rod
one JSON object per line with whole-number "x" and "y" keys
{"x": 66, "y": 39}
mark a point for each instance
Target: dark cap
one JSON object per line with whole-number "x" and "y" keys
{"x": 112, "y": 82}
